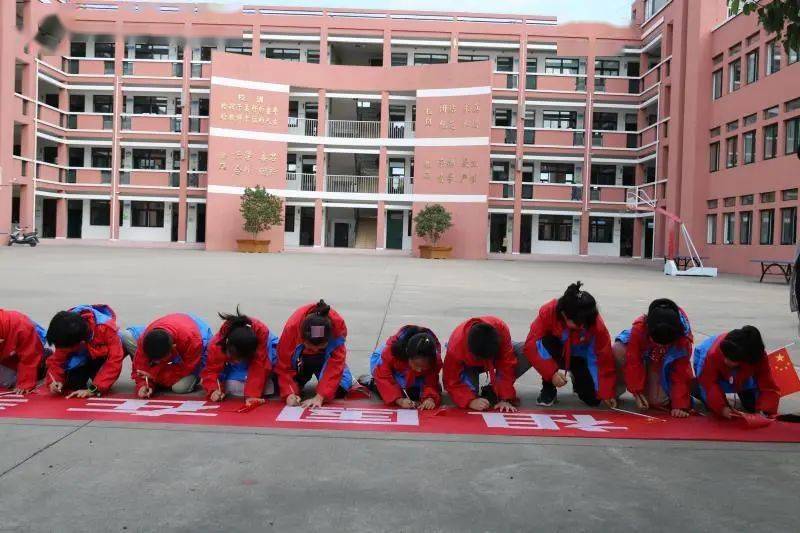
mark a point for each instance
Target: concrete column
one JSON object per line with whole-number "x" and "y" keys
{"x": 516, "y": 223}
{"x": 116, "y": 162}
{"x": 387, "y": 48}
{"x": 587, "y": 141}
{"x": 383, "y": 173}
{"x": 256, "y": 40}
{"x": 319, "y": 227}
{"x": 322, "y": 164}
{"x": 323, "y": 43}
{"x": 186, "y": 105}
{"x": 7, "y": 164}
{"x": 61, "y": 218}
{"x": 454, "y": 48}
{"x": 638, "y": 232}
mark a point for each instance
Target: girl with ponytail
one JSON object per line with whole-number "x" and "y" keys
{"x": 313, "y": 345}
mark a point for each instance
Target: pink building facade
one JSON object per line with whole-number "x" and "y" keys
{"x": 149, "y": 120}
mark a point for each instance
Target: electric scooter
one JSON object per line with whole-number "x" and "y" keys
{"x": 18, "y": 237}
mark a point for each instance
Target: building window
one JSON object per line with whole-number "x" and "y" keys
{"x": 767, "y": 197}
{"x": 745, "y": 227}
{"x": 557, "y": 173}
{"x": 474, "y": 58}
{"x": 601, "y": 229}
{"x": 312, "y": 56}
{"x": 712, "y": 204}
{"x": 747, "y": 199}
{"x": 557, "y": 65}
{"x": 749, "y": 120}
{"x": 711, "y": 229}
{"x": 147, "y": 214}
{"x": 606, "y": 67}
{"x": 767, "y": 226}
{"x": 713, "y": 157}
{"x": 772, "y": 112}
{"x": 789, "y": 195}
{"x": 794, "y": 54}
{"x": 146, "y": 159}
{"x": 604, "y": 121}
{"x": 730, "y": 201}
{"x": 789, "y": 225}
{"x": 288, "y": 218}
{"x": 734, "y": 75}
{"x": 749, "y": 142}
{"x": 716, "y": 82}
{"x": 399, "y": 59}
{"x": 502, "y": 118}
{"x": 728, "y": 222}
{"x": 101, "y": 157}
{"x": 793, "y": 135}
{"x": 285, "y": 54}
{"x": 555, "y": 228}
{"x": 731, "y": 152}
{"x": 505, "y": 64}
{"x": 773, "y": 57}
{"x": 104, "y": 50}
{"x": 792, "y": 105}
{"x": 151, "y": 51}
{"x": 560, "y": 120}
{"x": 103, "y": 103}
{"x": 150, "y": 105}
{"x": 752, "y": 67}
{"x": 770, "y": 141}
{"x": 99, "y": 212}
{"x": 430, "y": 59}
{"x": 500, "y": 171}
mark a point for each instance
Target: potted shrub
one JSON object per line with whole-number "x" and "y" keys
{"x": 260, "y": 211}
{"x": 430, "y": 224}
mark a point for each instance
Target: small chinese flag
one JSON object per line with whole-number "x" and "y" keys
{"x": 783, "y": 372}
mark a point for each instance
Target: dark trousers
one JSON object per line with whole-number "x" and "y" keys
{"x": 78, "y": 378}
{"x": 473, "y": 374}
{"x": 748, "y": 397}
{"x": 414, "y": 393}
{"x": 309, "y": 367}
{"x": 582, "y": 382}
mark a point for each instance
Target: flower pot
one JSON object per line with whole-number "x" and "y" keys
{"x": 435, "y": 252}
{"x": 251, "y": 246}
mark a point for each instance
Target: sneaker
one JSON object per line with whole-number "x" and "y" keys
{"x": 365, "y": 380}
{"x": 357, "y": 390}
{"x": 548, "y": 395}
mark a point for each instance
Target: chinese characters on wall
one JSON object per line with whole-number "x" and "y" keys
{"x": 248, "y": 162}
{"x": 445, "y": 116}
{"x": 247, "y": 111}
{"x": 451, "y": 170}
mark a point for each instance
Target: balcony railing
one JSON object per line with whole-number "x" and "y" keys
{"x": 303, "y": 126}
{"x": 344, "y": 183}
{"x": 555, "y": 82}
{"x": 149, "y": 178}
{"x": 617, "y": 84}
{"x": 88, "y": 66}
{"x": 505, "y": 80}
{"x": 555, "y": 137}
{"x": 154, "y": 123}
{"x": 153, "y": 68}
{"x": 402, "y": 130}
{"x": 608, "y": 194}
{"x": 197, "y": 179}
{"x": 501, "y": 190}
{"x": 198, "y": 124}
{"x": 301, "y": 182}
{"x": 557, "y": 192}
{"x": 201, "y": 69}
{"x": 504, "y": 135}
{"x": 399, "y": 185}
{"x": 354, "y": 129}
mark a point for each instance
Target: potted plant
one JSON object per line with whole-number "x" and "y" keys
{"x": 430, "y": 224}
{"x": 260, "y": 211}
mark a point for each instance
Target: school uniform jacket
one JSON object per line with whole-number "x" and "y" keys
{"x": 257, "y": 370}
{"x": 290, "y": 350}
{"x": 458, "y": 359}
{"x": 103, "y": 343}
{"x": 592, "y": 344}
{"x": 21, "y": 347}
{"x": 392, "y": 375}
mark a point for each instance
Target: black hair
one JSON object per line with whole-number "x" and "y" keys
{"x": 316, "y": 319}
{"x": 157, "y": 344}
{"x": 483, "y": 341}
{"x": 578, "y": 306}
{"x": 240, "y": 340}
{"x": 67, "y": 328}
{"x": 416, "y": 342}
{"x": 664, "y": 321}
{"x": 743, "y": 345}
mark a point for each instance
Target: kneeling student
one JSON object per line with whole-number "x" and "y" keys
{"x": 168, "y": 354}
{"x": 736, "y": 362}
{"x": 238, "y": 361}
{"x": 22, "y": 351}
{"x": 312, "y": 344}
{"x": 570, "y": 334}
{"x": 655, "y": 355}
{"x": 476, "y": 347}
{"x": 405, "y": 369}
{"x": 88, "y": 352}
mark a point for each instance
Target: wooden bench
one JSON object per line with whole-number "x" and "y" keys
{"x": 775, "y": 267}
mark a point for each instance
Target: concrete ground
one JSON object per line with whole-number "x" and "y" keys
{"x": 77, "y": 476}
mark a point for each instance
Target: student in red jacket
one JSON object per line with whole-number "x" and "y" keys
{"x": 655, "y": 355}
{"x": 736, "y": 362}
{"x": 569, "y": 334}
{"x": 169, "y": 353}
{"x": 238, "y": 361}
{"x": 312, "y": 344}
{"x": 476, "y": 347}
{"x": 21, "y": 352}
{"x": 88, "y": 351}
{"x": 405, "y": 369}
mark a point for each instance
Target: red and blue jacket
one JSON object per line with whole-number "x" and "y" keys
{"x": 675, "y": 368}
{"x": 103, "y": 343}
{"x": 254, "y": 373}
{"x": 290, "y": 351}
{"x": 592, "y": 344}
{"x": 21, "y": 347}
{"x": 190, "y": 337}
{"x": 717, "y": 379}
{"x": 458, "y": 360}
{"x": 393, "y": 375}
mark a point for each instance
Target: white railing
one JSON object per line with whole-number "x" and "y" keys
{"x": 354, "y": 129}
{"x": 399, "y": 185}
{"x": 343, "y": 183}
{"x": 303, "y": 126}
{"x": 401, "y": 130}
{"x": 301, "y": 182}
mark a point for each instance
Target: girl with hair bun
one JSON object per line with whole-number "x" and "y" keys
{"x": 313, "y": 345}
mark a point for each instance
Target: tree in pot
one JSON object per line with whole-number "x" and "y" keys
{"x": 260, "y": 211}
{"x": 430, "y": 224}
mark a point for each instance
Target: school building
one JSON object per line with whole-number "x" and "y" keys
{"x": 149, "y": 119}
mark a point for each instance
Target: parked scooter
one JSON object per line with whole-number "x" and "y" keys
{"x": 18, "y": 237}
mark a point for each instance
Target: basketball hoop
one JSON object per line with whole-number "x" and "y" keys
{"x": 631, "y": 201}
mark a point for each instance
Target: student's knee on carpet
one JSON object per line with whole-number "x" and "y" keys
{"x": 185, "y": 385}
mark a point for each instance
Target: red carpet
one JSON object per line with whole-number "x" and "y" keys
{"x": 365, "y": 415}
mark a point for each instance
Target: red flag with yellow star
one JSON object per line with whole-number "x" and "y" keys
{"x": 783, "y": 372}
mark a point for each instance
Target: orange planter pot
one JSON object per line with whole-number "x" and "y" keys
{"x": 435, "y": 252}
{"x": 250, "y": 246}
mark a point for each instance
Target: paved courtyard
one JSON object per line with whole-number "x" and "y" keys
{"x": 70, "y": 476}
